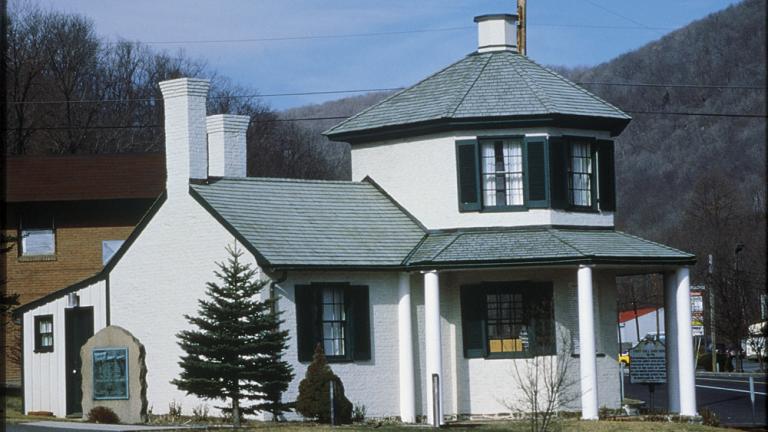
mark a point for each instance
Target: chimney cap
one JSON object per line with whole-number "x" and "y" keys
{"x": 182, "y": 87}
{"x": 488, "y": 17}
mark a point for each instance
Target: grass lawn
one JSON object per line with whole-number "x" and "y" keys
{"x": 12, "y": 414}
{"x": 568, "y": 425}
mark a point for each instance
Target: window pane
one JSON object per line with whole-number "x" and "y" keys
{"x": 580, "y": 176}
{"x": 37, "y": 242}
{"x": 334, "y": 321}
{"x": 502, "y": 165}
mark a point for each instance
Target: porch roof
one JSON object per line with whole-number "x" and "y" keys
{"x": 542, "y": 245}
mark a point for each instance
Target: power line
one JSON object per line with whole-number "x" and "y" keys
{"x": 614, "y": 13}
{"x": 683, "y": 113}
{"x": 369, "y": 90}
{"x": 291, "y": 38}
{"x": 256, "y": 95}
{"x": 374, "y": 34}
{"x": 670, "y": 85}
{"x": 255, "y": 120}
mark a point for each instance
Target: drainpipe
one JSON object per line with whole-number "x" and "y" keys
{"x": 283, "y": 277}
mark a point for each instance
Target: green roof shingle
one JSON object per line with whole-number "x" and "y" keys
{"x": 342, "y": 224}
{"x": 532, "y": 245}
{"x": 314, "y": 223}
{"x": 482, "y": 85}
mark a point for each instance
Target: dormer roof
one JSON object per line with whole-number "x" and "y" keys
{"x": 491, "y": 89}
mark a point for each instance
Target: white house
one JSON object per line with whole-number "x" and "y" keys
{"x": 478, "y": 230}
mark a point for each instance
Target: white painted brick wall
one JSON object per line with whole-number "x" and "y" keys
{"x": 226, "y": 145}
{"x": 186, "y": 150}
{"x": 159, "y": 280}
{"x": 372, "y": 383}
{"x": 420, "y": 173}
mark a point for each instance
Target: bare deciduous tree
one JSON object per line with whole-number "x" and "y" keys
{"x": 544, "y": 385}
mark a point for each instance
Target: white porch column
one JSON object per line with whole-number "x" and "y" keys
{"x": 670, "y": 334}
{"x": 405, "y": 344}
{"x": 587, "y": 355}
{"x": 686, "y": 368}
{"x": 433, "y": 350}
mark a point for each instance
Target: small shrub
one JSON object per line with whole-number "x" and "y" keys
{"x": 358, "y": 413}
{"x": 709, "y": 417}
{"x": 174, "y": 410}
{"x": 314, "y": 399}
{"x": 200, "y": 413}
{"x": 102, "y": 414}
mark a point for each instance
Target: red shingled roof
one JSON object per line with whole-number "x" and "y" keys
{"x": 84, "y": 177}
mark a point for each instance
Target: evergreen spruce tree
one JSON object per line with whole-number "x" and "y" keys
{"x": 235, "y": 352}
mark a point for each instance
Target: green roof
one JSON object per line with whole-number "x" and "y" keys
{"x": 313, "y": 223}
{"x": 341, "y": 224}
{"x": 498, "y": 84}
{"x": 541, "y": 245}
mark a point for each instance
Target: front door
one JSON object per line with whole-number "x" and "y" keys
{"x": 78, "y": 328}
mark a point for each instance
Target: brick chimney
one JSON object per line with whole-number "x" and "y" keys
{"x": 186, "y": 152}
{"x": 226, "y": 145}
{"x": 496, "y": 32}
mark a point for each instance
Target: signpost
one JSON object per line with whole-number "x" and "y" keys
{"x": 648, "y": 365}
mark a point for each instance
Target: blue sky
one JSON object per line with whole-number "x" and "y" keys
{"x": 571, "y": 33}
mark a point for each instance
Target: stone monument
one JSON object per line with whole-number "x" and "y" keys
{"x": 115, "y": 374}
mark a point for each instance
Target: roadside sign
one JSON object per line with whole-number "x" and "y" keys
{"x": 648, "y": 363}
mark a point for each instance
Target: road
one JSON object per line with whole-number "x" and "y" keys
{"x": 727, "y": 397}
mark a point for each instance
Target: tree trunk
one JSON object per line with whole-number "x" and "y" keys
{"x": 236, "y": 411}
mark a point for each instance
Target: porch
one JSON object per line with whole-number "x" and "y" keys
{"x": 469, "y": 336}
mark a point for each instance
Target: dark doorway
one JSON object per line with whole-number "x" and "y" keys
{"x": 78, "y": 324}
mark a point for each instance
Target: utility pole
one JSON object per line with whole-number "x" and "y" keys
{"x": 710, "y": 269}
{"x": 521, "y": 25}
{"x": 739, "y": 248}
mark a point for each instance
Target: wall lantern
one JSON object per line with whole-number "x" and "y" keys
{"x": 73, "y": 300}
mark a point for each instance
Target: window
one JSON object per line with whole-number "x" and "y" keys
{"x": 502, "y": 162}
{"x": 334, "y": 321}
{"x": 110, "y": 373}
{"x": 336, "y": 317}
{"x": 506, "y": 325}
{"x": 37, "y": 241}
{"x": 514, "y": 319}
{"x": 513, "y": 174}
{"x": 44, "y": 333}
{"x": 580, "y": 175}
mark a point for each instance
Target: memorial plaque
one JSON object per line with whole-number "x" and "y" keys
{"x": 648, "y": 363}
{"x": 110, "y": 373}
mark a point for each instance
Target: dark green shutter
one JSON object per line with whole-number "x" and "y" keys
{"x": 538, "y": 299}
{"x": 468, "y": 175}
{"x": 473, "y": 321}
{"x": 558, "y": 172}
{"x": 307, "y": 324}
{"x": 607, "y": 175}
{"x": 536, "y": 172}
{"x": 359, "y": 322}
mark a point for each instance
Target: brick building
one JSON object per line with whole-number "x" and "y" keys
{"x": 68, "y": 214}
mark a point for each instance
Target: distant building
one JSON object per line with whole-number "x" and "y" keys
{"x": 646, "y": 322}
{"x": 69, "y": 214}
